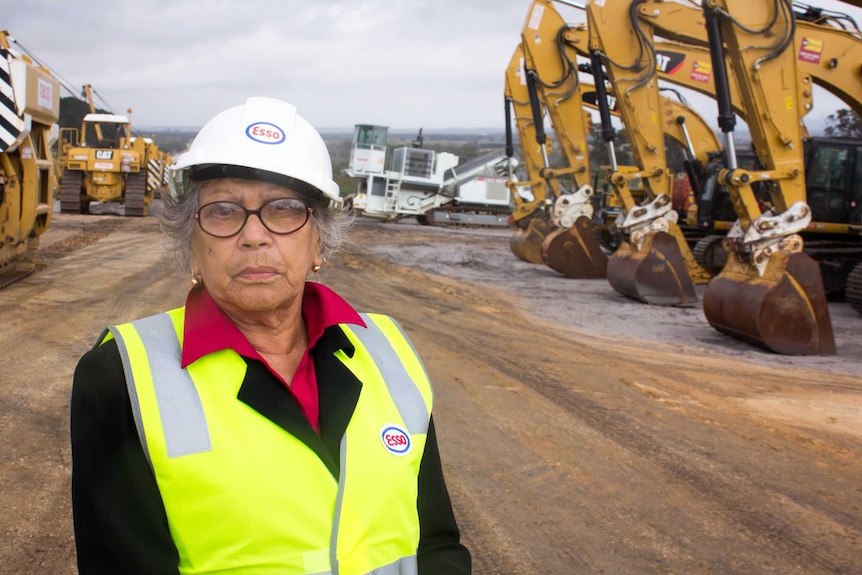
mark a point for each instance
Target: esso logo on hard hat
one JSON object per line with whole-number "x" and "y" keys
{"x": 265, "y": 133}
{"x": 395, "y": 439}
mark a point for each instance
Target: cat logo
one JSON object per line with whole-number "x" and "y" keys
{"x": 668, "y": 62}
{"x": 104, "y": 154}
{"x": 591, "y": 99}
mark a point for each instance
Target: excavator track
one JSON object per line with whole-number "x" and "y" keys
{"x": 136, "y": 191}
{"x": 465, "y": 218}
{"x": 70, "y": 192}
{"x": 21, "y": 266}
{"x": 609, "y": 240}
{"x": 10, "y": 277}
{"x": 709, "y": 253}
{"x": 853, "y": 288}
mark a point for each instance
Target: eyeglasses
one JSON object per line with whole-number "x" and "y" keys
{"x": 281, "y": 216}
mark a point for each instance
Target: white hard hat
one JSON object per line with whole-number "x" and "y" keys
{"x": 263, "y": 139}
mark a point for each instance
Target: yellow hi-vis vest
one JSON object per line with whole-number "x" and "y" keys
{"x": 243, "y": 496}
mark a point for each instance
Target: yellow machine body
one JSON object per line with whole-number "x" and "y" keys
{"x": 104, "y": 162}
{"x": 31, "y": 97}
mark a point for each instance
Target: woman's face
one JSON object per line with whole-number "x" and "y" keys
{"x": 255, "y": 271}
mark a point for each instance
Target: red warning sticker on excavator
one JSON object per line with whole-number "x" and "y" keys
{"x": 701, "y": 71}
{"x": 810, "y": 50}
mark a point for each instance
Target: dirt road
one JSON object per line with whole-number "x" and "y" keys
{"x": 569, "y": 447}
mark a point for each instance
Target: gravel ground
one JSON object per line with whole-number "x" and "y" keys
{"x": 482, "y": 256}
{"x": 581, "y": 432}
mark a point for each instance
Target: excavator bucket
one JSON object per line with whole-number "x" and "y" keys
{"x": 526, "y": 243}
{"x": 575, "y": 251}
{"x": 783, "y": 311}
{"x": 655, "y": 274}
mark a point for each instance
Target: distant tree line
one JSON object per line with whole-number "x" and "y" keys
{"x": 843, "y": 122}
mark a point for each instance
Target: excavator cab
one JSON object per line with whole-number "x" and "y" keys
{"x": 833, "y": 168}
{"x": 833, "y": 177}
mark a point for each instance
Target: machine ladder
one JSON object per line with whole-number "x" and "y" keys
{"x": 390, "y": 202}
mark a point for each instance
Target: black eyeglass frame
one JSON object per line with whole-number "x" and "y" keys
{"x": 258, "y": 212}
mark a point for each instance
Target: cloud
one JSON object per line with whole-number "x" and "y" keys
{"x": 342, "y": 62}
{"x": 401, "y": 63}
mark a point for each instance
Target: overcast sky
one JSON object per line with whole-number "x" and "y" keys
{"x": 400, "y": 63}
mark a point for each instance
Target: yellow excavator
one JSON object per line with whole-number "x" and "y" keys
{"x": 770, "y": 292}
{"x": 827, "y": 50}
{"x": 687, "y": 66}
{"x": 30, "y": 106}
{"x": 654, "y": 263}
{"x": 531, "y": 197}
{"x": 781, "y": 307}
{"x": 572, "y": 248}
{"x": 833, "y": 238}
{"x": 803, "y": 327}
{"x": 688, "y": 129}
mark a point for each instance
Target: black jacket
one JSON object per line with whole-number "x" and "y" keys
{"x": 119, "y": 518}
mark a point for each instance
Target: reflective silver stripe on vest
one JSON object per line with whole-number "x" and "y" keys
{"x": 133, "y": 392}
{"x": 407, "y": 397}
{"x": 184, "y": 423}
{"x": 404, "y": 566}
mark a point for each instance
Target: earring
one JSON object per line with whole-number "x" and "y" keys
{"x": 315, "y": 268}
{"x": 197, "y": 281}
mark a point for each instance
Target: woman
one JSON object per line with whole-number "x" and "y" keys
{"x": 266, "y": 427}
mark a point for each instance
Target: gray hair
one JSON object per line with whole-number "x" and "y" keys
{"x": 178, "y": 222}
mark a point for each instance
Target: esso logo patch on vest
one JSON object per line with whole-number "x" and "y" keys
{"x": 395, "y": 439}
{"x": 265, "y": 133}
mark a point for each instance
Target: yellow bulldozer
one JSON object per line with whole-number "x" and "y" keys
{"x": 104, "y": 162}
{"x": 30, "y": 109}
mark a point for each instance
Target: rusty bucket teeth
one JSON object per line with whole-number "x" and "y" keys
{"x": 575, "y": 252}
{"x": 527, "y": 243}
{"x": 784, "y": 311}
{"x": 655, "y": 274}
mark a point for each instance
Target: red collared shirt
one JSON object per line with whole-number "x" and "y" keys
{"x": 208, "y": 329}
